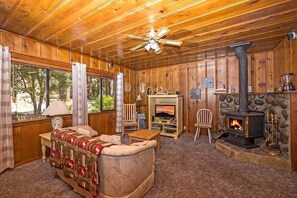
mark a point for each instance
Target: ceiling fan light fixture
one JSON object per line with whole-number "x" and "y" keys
{"x": 157, "y": 48}
{"x": 148, "y": 47}
{"x": 162, "y": 32}
{"x": 154, "y": 45}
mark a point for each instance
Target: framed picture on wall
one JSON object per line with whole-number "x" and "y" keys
{"x": 195, "y": 93}
{"x": 207, "y": 82}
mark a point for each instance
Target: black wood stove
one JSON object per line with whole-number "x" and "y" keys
{"x": 243, "y": 126}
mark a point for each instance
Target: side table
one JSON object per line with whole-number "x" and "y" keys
{"x": 144, "y": 134}
{"x": 45, "y": 139}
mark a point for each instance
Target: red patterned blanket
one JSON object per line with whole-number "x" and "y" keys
{"x": 78, "y": 156}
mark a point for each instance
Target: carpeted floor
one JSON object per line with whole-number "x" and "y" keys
{"x": 183, "y": 169}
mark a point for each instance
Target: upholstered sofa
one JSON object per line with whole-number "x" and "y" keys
{"x": 125, "y": 171}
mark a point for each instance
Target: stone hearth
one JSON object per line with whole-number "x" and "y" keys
{"x": 253, "y": 156}
{"x": 278, "y": 104}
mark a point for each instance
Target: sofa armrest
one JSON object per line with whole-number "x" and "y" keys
{"x": 122, "y": 150}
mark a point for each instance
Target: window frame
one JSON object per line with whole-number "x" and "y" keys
{"x": 66, "y": 67}
{"x": 101, "y": 77}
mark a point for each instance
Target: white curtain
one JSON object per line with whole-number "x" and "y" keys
{"x": 6, "y": 142}
{"x": 79, "y": 94}
{"x": 119, "y": 102}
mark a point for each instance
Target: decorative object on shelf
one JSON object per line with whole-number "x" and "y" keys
{"x": 161, "y": 91}
{"x": 249, "y": 88}
{"x": 149, "y": 91}
{"x": 141, "y": 87}
{"x": 288, "y": 80}
{"x": 271, "y": 143}
{"x": 207, "y": 82}
{"x": 195, "y": 93}
{"x": 221, "y": 89}
{"x": 138, "y": 103}
{"x": 54, "y": 109}
{"x": 270, "y": 90}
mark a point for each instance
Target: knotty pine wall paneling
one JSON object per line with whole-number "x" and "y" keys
{"x": 26, "y": 134}
{"x": 285, "y": 60}
{"x": 26, "y": 138}
{"x": 36, "y": 52}
{"x": 224, "y": 70}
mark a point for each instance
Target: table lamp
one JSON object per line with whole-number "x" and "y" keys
{"x": 138, "y": 103}
{"x": 54, "y": 109}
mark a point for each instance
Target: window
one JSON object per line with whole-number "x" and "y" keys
{"x": 60, "y": 87}
{"x": 33, "y": 88}
{"x": 29, "y": 93}
{"x": 98, "y": 87}
{"x": 108, "y": 94}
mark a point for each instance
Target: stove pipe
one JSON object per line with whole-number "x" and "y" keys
{"x": 239, "y": 50}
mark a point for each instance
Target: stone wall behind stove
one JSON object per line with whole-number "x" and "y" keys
{"x": 278, "y": 104}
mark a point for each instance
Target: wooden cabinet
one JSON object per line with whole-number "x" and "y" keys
{"x": 169, "y": 123}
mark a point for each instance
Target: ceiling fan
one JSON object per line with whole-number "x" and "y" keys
{"x": 154, "y": 39}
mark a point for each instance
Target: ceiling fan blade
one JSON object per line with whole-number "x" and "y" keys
{"x": 171, "y": 42}
{"x": 162, "y": 32}
{"x": 137, "y": 37}
{"x": 138, "y": 46}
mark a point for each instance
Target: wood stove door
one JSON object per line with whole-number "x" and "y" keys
{"x": 235, "y": 124}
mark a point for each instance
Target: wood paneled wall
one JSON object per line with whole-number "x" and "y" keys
{"x": 224, "y": 71}
{"x": 26, "y": 134}
{"x": 285, "y": 58}
{"x": 26, "y": 138}
{"x": 32, "y": 51}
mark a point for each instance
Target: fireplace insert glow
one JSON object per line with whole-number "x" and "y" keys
{"x": 243, "y": 128}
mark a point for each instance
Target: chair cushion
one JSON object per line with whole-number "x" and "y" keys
{"x": 203, "y": 125}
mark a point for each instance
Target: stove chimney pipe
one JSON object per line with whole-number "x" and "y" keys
{"x": 239, "y": 50}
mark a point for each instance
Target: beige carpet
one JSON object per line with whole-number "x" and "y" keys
{"x": 183, "y": 169}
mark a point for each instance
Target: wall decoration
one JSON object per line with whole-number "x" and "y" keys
{"x": 149, "y": 91}
{"x": 249, "y": 88}
{"x": 207, "y": 82}
{"x": 141, "y": 88}
{"x": 195, "y": 93}
{"x": 161, "y": 91}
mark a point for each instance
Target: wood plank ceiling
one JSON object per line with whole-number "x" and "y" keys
{"x": 99, "y": 27}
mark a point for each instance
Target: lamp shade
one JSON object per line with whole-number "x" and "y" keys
{"x": 56, "y": 108}
{"x": 138, "y": 98}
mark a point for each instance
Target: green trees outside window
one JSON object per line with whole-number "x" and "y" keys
{"x": 33, "y": 88}
{"x": 98, "y": 87}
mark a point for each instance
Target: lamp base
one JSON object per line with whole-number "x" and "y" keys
{"x": 57, "y": 122}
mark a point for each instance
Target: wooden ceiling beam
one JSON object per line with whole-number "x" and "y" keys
{"x": 174, "y": 23}
{"x": 258, "y": 25}
{"x": 12, "y": 13}
{"x": 204, "y": 24}
{"x": 102, "y": 5}
{"x": 141, "y": 21}
{"x": 258, "y": 47}
{"x": 225, "y": 43}
{"x": 60, "y": 5}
